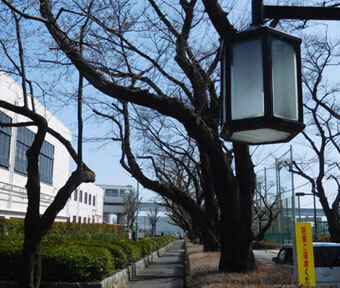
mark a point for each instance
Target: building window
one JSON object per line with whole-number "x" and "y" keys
{"x": 75, "y": 195}
{"x": 80, "y": 196}
{"x": 94, "y": 200}
{"x": 93, "y": 219}
{"x": 88, "y": 220}
{"x": 85, "y": 198}
{"x": 111, "y": 192}
{"x": 74, "y": 219}
{"x": 5, "y": 140}
{"x": 79, "y": 219}
{"x": 25, "y": 139}
{"x": 124, "y": 192}
{"x": 90, "y": 198}
{"x": 84, "y": 219}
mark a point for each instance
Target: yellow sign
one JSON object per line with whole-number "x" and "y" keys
{"x": 305, "y": 254}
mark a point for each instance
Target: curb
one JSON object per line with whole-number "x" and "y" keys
{"x": 118, "y": 280}
{"x": 186, "y": 266}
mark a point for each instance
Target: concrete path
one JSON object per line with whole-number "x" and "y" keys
{"x": 166, "y": 272}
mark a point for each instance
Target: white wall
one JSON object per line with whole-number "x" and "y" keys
{"x": 13, "y": 200}
{"x": 82, "y": 212}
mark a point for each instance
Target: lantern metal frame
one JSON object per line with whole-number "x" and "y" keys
{"x": 268, "y": 120}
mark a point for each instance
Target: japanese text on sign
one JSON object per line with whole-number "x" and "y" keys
{"x": 304, "y": 253}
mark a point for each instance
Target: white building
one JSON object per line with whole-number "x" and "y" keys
{"x": 54, "y": 165}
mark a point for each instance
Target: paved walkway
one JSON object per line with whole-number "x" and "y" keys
{"x": 165, "y": 272}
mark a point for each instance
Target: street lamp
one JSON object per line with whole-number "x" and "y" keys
{"x": 137, "y": 207}
{"x": 261, "y": 87}
{"x": 299, "y": 194}
{"x": 261, "y": 77}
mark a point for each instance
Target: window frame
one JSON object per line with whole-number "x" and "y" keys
{"x": 5, "y": 135}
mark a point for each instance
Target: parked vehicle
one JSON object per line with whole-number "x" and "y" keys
{"x": 326, "y": 261}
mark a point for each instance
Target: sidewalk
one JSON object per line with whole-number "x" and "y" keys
{"x": 166, "y": 272}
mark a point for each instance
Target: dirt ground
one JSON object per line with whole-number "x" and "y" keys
{"x": 202, "y": 271}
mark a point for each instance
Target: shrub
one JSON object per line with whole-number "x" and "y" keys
{"x": 10, "y": 259}
{"x": 147, "y": 247}
{"x": 265, "y": 244}
{"x": 324, "y": 238}
{"x": 14, "y": 229}
{"x": 132, "y": 250}
{"x": 69, "y": 228}
{"x": 76, "y": 263}
{"x": 118, "y": 253}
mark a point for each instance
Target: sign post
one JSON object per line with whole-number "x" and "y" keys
{"x": 304, "y": 254}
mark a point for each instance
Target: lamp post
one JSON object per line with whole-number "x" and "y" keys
{"x": 137, "y": 204}
{"x": 299, "y": 194}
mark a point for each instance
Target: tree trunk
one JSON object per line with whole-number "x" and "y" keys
{"x": 236, "y": 252}
{"x": 31, "y": 265}
{"x": 210, "y": 236}
{"x": 236, "y": 217}
{"x": 333, "y": 226}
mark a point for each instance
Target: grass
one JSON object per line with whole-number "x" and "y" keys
{"x": 203, "y": 272}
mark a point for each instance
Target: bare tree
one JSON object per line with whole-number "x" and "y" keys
{"x": 266, "y": 211}
{"x": 130, "y": 203}
{"x": 153, "y": 218}
{"x": 173, "y": 74}
{"x": 183, "y": 220}
{"x": 36, "y": 225}
{"x": 321, "y": 167}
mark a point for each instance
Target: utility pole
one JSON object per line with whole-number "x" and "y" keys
{"x": 292, "y": 177}
{"x": 278, "y": 191}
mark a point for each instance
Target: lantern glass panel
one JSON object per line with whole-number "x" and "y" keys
{"x": 247, "y": 94}
{"x": 259, "y": 136}
{"x": 284, "y": 75}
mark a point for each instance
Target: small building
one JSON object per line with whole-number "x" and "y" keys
{"x": 113, "y": 202}
{"x": 54, "y": 165}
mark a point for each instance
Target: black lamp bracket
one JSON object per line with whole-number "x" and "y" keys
{"x": 261, "y": 12}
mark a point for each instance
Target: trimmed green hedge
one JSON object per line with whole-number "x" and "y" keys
{"x": 14, "y": 229}
{"x": 78, "y": 260}
{"x": 76, "y": 263}
{"x": 10, "y": 258}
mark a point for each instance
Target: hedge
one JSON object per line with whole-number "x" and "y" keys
{"x": 78, "y": 260}
{"x": 265, "y": 244}
{"x": 10, "y": 259}
{"x": 14, "y": 229}
{"x": 324, "y": 238}
{"x": 119, "y": 255}
{"x": 76, "y": 263}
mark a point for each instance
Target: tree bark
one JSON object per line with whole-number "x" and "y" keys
{"x": 236, "y": 217}
{"x": 31, "y": 265}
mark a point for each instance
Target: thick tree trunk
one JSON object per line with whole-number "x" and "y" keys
{"x": 236, "y": 252}
{"x": 236, "y": 217}
{"x": 333, "y": 226}
{"x": 209, "y": 239}
{"x": 31, "y": 264}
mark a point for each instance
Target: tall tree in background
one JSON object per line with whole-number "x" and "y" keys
{"x": 153, "y": 218}
{"x": 266, "y": 211}
{"x": 322, "y": 106}
{"x": 36, "y": 225}
{"x": 130, "y": 203}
